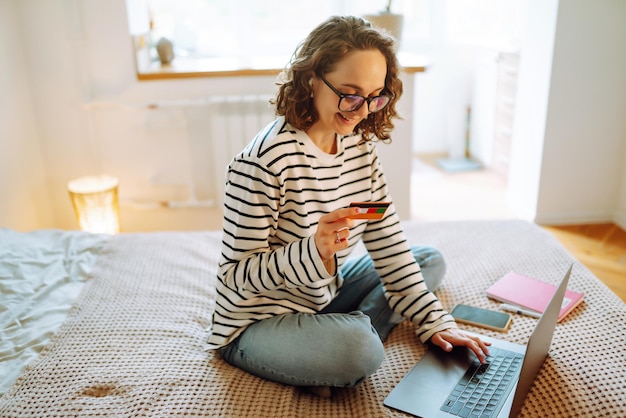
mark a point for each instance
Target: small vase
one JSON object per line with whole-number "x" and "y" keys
{"x": 165, "y": 49}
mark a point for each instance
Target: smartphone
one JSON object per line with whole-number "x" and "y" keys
{"x": 485, "y": 318}
{"x": 370, "y": 210}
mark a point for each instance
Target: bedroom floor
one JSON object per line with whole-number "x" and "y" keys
{"x": 481, "y": 194}
{"x": 439, "y": 195}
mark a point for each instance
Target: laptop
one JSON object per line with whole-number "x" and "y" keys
{"x": 453, "y": 384}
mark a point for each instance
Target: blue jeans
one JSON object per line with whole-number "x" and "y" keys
{"x": 339, "y": 346}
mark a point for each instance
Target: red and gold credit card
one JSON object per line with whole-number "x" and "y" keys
{"x": 370, "y": 210}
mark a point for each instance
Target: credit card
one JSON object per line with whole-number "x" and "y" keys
{"x": 370, "y": 210}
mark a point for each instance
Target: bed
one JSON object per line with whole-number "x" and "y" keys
{"x": 97, "y": 325}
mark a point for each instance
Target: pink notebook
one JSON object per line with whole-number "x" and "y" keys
{"x": 530, "y": 293}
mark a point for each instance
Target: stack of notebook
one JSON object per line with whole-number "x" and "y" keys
{"x": 530, "y": 293}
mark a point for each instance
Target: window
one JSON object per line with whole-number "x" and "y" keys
{"x": 251, "y": 28}
{"x": 211, "y": 36}
{"x": 485, "y": 22}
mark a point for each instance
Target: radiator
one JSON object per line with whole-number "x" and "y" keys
{"x": 174, "y": 153}
{"x": 232, "y": 123}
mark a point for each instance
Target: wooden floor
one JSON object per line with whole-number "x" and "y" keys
{"x": 436, "y": 196}
{"x": 601, "y": 248}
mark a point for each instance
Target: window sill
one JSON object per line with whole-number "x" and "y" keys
{"x": 233, "y": 67}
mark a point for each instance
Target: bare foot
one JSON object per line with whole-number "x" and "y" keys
{"x": 321, "y": 391}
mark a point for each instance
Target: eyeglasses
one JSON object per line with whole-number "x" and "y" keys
{"x": 353, "y": 102}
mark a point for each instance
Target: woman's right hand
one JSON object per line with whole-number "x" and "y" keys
{"x": 333, "y": 231}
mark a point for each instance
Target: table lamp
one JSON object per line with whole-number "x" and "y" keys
{"x": 95, "y": 203}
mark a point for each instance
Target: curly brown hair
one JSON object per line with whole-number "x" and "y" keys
{"x": 318, "y": 54}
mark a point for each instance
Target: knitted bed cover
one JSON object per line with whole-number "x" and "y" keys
{"x": 134, "y": 343}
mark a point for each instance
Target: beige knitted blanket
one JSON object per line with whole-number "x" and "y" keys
{"x": 133, "y": 344}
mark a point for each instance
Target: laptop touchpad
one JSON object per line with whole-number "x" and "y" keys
{"x": 428, "y": 383}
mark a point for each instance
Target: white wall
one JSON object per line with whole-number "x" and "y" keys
{"x": 443, "y": 91}
{"x": 24, "y": 198}
{"x": 585, "y": 139}
{"x": 531, "y": 107}
{"x": 463, "y": 47}
{"x": 620, "y": 212}
{"x": 569, "y": 144}
{"x": 94, "y": 116}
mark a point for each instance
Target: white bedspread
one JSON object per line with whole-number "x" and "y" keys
{"x": 41, "y": 274}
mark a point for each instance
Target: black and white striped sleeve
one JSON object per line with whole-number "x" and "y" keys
{"x": 250, "y": 262}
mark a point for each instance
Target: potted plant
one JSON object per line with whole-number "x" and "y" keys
{"x": 390, "y": 22}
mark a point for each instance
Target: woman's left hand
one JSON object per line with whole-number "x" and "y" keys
{"x": 455, "y": 337}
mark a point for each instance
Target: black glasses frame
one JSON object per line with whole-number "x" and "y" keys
{"x": 356, "y": 96}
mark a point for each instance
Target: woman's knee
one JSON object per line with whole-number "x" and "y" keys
{"x": 359, "y": 351}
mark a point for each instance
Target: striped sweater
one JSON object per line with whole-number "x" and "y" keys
{"x": 276, "y": 190}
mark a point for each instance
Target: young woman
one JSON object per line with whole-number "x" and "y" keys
{"x": 290, "y": 307}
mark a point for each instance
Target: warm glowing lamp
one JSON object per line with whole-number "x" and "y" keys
{"x": 96, "y": 204}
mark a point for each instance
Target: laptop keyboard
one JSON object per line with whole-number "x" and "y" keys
{"x": 479, "y": 392}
